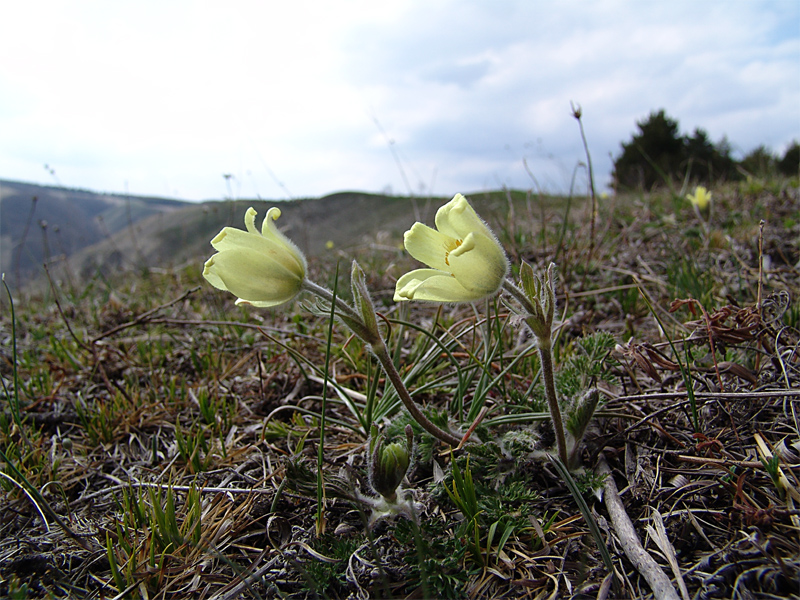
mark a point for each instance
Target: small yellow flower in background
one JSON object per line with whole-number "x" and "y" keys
{"x": 261, "y": 268}
{"x": 329, "y": 244}
{"x": 467, "y": 262}
{"x": 700, "y": 198}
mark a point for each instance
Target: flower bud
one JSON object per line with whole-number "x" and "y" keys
{"x": 389, "y": 464}
{"x": 367, "y": 328}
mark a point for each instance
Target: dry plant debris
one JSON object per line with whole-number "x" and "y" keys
{"x": 166, "y": 442}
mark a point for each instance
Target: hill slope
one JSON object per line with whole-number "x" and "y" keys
{"x": 345, "y": 219}
{"x": 40, "y": 221}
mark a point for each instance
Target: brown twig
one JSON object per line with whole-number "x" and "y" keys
{"x": 144, "y": 317}
{"x": 644, "y": 563}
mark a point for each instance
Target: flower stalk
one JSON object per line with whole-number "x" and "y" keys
{"x": 383, "y": 357}
{"x": 537, "y": 299}
{"x": 356, "y": 322}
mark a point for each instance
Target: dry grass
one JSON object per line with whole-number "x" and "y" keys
{"x": 175, "y": 435}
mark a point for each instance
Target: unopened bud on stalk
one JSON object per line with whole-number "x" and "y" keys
{"x": 389, "y": 463}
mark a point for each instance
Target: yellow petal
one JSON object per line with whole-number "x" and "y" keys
{"x": 457, "y": 219}
{"x": 231, "y": 239}
{"x": 250, "y": 219}
{"x": 252, "y": 277}
{"x": 429, "y": 246}
{"x": 270, "y": 232}
{"x": 268, "y": 241}
{"x": 432, "y": 286}
{"x": 479, "y": 264}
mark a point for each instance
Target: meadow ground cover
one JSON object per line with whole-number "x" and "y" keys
{"x": 160, "y": 441}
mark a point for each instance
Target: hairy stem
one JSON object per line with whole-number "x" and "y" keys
{"x": 382, "y": 354}
{"x": 546, "y": 358}
{"x": 544, "y": 344}
{"x": 328, "y": 295}
{"x": 518, "y": 295}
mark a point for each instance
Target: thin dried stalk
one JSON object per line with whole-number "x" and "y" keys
{"x": 644, "y": 563}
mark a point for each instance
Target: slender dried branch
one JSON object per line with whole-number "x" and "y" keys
{"x": 644, "y": 563}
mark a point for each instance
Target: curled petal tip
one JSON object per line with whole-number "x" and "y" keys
{"x": 262, "y": 268}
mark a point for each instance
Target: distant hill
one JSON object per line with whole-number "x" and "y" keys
{"x": 38, "y": 222}
{"x": 346, "y": 219}
{"x": 111, "y": 234}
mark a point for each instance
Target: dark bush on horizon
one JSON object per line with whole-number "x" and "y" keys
{"x": 657, "y": 155}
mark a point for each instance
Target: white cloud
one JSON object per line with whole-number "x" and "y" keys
{"x": 169, "y": 96}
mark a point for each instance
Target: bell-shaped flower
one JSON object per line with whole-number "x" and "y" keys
{"x": 263, "y": 268}
{"x": 700, "y": 198}
{"x": 466, "y": 261}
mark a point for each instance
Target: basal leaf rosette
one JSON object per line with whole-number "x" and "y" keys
{"x": 263, "y": 268}
{"x": 466, "y": 261}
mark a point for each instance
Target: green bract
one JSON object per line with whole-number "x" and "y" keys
{"x": 467, "y": 262}
{"x": 261, "y": 268}
{"x": 541, "y": 299}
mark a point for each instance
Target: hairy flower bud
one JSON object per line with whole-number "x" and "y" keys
{"x": 389, "y": 464}
{"x": 540, "y": 292}
{"x": 367, "y": 327}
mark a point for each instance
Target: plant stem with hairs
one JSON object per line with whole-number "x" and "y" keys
{"x": 537, "y": 297}
{"x": 362, "y": 321}
{"x": 546, "y": 358}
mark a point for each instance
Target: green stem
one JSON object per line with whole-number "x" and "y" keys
{"x": 545, "y": 346}
{"x": 382, "y": 354}
{"x": 516, "y": 292}
{"x": 546, "y": 358}
{"x": 328, "y": 295}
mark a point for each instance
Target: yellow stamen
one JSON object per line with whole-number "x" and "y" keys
{"x": 448, "y": 248}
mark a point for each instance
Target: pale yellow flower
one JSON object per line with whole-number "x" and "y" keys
{"x": 263, "y": 268}
{"x": 700, "y": 198}
{"x": 467, "y": 262}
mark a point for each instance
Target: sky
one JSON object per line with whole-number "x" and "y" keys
{"x": 279, "y": 100}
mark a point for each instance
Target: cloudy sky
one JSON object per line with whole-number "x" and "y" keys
{"x": 304, "y": 98}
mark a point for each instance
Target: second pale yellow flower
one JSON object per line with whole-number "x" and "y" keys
{"x": 466, "y": 261}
